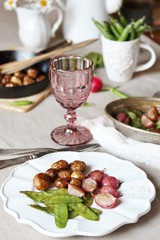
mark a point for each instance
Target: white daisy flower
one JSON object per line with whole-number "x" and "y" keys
{"x": 10, "y": 4}
{"x": 44, "y": 5}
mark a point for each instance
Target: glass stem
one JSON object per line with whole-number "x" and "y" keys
{"x": 71, "y": 117}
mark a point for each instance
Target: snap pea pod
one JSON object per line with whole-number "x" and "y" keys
{"x": 38, "y": 196}
{"x": 61, "y": 215}
{"x": 21, "y": 103}
{"x": 96, "y": 210}
{"x": 88, "y": 200}
{"x": 48, "y": 209}
{"x": 84, "y": 211}
{"x": 61, "y": 199}
{"x": 72, "y": 214}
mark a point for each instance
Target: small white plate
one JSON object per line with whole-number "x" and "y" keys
{"x": 137, "y": 194}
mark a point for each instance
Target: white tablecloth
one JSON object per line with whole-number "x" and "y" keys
{"x": 32, "y": 129}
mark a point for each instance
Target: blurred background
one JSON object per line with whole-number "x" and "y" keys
{"x": 131, "y": 9}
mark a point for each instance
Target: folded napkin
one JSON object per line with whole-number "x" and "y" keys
{"x": 117, "y": 144}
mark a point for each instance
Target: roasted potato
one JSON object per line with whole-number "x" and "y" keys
{"x": 77, "y": 174}
{"x": 60, "y": 165}
{"x": 41, "y": 181}
{"x": 65, "y": 174}
{"x": 78, "y": 165}
{"x": 52, "y": 173}
{"x": 60, "y": 183}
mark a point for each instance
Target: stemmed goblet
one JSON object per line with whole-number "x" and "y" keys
{"x": 71, "y": 79}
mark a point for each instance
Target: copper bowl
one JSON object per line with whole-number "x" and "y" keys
{"x": 31, "y": 89}
{"x": 139, "y": 103}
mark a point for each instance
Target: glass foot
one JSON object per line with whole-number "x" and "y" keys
{"x": 64, "y": 136}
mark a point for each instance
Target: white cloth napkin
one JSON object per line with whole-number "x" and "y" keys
{"x": 117, "y": 144}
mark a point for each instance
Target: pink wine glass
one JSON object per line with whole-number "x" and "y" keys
{"x": 71, "y": 80}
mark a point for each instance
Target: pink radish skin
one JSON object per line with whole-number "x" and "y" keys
{"x": 89, "y": 184}
{"x": 110, "y": 181}
{"x": 105, "y": 200}
{"x": 111, "y": 190}
{"x": 75, "y": 190}
{"x": 97, "y": 175}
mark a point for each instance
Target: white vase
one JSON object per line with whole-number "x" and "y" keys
{"x": 35, "y": 30}
{"x": 78, "y": 25}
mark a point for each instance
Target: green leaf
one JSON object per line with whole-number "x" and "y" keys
{"x": 158, "y": 124}
{"x": 21, "y": 103}
{"x": 97, "y": 59}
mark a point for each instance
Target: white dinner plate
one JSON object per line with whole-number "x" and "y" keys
{"x": 137, "y": 194}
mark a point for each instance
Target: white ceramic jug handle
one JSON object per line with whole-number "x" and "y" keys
{"x": 57, "y": 23}
{"x": 148, "y": 64}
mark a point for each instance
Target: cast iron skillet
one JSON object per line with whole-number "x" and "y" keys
{"x": 23, "y": 91}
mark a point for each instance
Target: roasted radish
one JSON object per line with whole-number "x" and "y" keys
{"x": 75, "y": 190}
{"x": 89, "y": 184}
{"x": 110, "y": 181}
{"x": 111, "y": 190}
{"x": 105, "y": 200}
{"x": 97, "y": 175}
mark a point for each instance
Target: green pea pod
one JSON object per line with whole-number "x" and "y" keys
{"x": 84, "y": 211}
{"x": 87, "y": 200}
{"x": 21, "y": 103}
{"x": 48, "y": 209}
{"x": 61, "y": 199}
{"x": 58, "y": 191}
{"x": 36, "y": 196}
{"x": 96, "y": 210}
{"x": 133, "y": 34}
{"x": 61, "y": 215}
{"x": 72, "y": 214}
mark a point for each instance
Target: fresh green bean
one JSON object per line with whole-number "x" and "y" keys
{"x": 114, "y": 31}
{"x": 84, "y": 211}
{"x": 139, "y": 22}
{"x": 133, "y": 34}
{"x": 48, "y": 209}
{"x": 102, "y": 29}
{"x": 118, "y": 93}
{"x": 61, "y": 215}
{"x": 122, "y": 19}
{"x": 117, "y": 25}
{"x": 61, "y": 199}
{"x": 125, "y": 33}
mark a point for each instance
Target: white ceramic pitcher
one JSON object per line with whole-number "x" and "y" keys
{"x": 35, "y": 30}
{"x": 78, "y": 25}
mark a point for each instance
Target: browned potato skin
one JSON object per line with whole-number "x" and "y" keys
{"x": 60, "y": 165}
{"x": 78, "y": 165}
{"x": 76, "y": 181}
{"x": 41, "y": 181}
{"x": 52, "y": 173}
{"x": 77, "y": 174}
{"x": 60, "y": 183}
{"x": 65, "y": 174}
